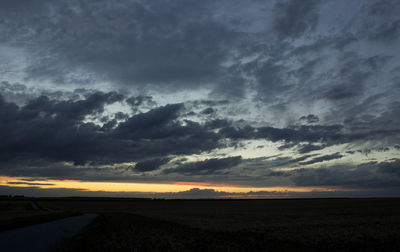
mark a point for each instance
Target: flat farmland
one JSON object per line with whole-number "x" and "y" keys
{"x": 21, "y": 213}
{"x": 236, "y": 225}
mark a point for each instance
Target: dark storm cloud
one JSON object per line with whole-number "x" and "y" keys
{"x": 338, "y": 93}
{"x": 139, "y": 101}
{"x": 295, "y": 17}
{"x": 296, "y": 134}
{"x": 366, "y": 175}
{"x": 389, "y": 31}
{"x": 130, "y": 43}
{"x": 301, "y": 134}
{"x": 121, "y": 116}
{"x": 309, "y": 118}
{"x": 347, "y": 83}
{"x": 217, "y": 124}
{"x": 305, "y": 148}
{"x": 73, "y": 111}
{"x": 151, "y": 165}
{"x": 392, "y": 167}
{"x": 367, "y": 151}
{"x": 267, "y": 164}
{"x": 382, "y": 128}
{"x": 343, "y": 87}
{"x": 197, "y": 44}
{"x": 52, "y": 129}
{"x": 376, "y": 175}
{"x": 208, "y": 166}
{"x": 198, "y": 103}
{"x": 320, "y": 159}
{"x": 317, "y": 136}
{"x": 208, "y": 111}
{"x": 152, "y": 124}
{"x": 55, "y": 130}
{"x": 43, "y": 170}
{"x": 383, "y": 8}
{"x": 8, "y": 88}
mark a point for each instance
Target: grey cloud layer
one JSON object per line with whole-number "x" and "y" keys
{"x": 56, "y": 129}
{"x": 42, "y": 134}
{"x": 192, "y": 44}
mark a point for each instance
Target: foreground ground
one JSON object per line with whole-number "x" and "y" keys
{"x": 18, "y": 213}
{"x": 45, "y": 236}
{"x": 236, "y": 225}
{"x": 218, "y": 225}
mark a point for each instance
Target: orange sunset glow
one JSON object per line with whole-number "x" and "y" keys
{"x": 149, "y": 187}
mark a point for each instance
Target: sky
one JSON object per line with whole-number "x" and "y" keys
{"x": 200, "y": 99}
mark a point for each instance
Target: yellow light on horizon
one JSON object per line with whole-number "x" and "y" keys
{"x": 148, "y": 187}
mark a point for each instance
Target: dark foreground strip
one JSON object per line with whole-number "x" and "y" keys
{"x": 130, "y": 232}
{"x": 33, "y": 219}
{"x": 43, "y": 237}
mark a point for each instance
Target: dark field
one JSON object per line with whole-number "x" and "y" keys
{"x": 236, "y": 225}
{"x": 20, "y": 213}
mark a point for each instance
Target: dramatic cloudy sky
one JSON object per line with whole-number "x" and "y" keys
{"x": 189, "y": 98}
